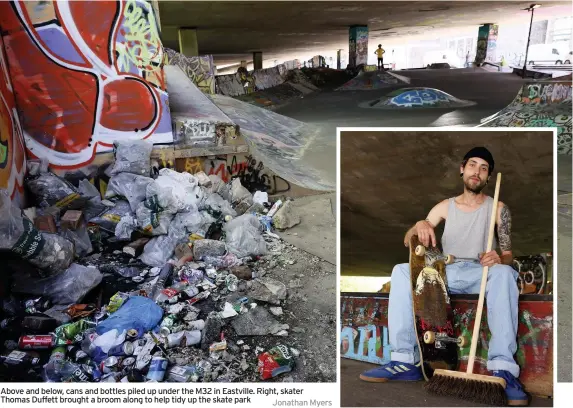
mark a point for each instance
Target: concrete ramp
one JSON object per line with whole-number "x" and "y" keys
{"x": 198, "y": 121}
{"x": 540, "y": 104}
{"x": 366, "y": 81}
{"x": 417, "y": 98}
{"x": 280, "y": 142}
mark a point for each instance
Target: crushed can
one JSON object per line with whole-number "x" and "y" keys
{"x": 168, "y": 321}
{"x": 109, "y": 365}
{"x": 132, "y": 334}
{"x": 275, "y": 361}
{"x": 157, "y": 368}
{"x": 124, "y": 349}
{"x": 40, "y": 342}
{"x": 116, "y": 301}
{"x": 128, "y": 362}
{"x": 198, "y": 297}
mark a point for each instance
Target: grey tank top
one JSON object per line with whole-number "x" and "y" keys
{"x": 465, "y": 233}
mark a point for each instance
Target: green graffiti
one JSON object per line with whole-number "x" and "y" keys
{"x": 3, "y": 154}
{"x": 142, "y": 46}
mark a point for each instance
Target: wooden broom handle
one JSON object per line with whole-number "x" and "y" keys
{"x": 479, "y": 311}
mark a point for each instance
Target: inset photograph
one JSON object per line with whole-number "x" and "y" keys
{"x": 426, "y": 216}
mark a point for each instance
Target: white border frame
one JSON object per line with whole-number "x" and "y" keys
{"x": 559, "y": 398}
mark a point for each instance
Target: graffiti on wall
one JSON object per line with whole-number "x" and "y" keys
{"x": 12, "y": 151}
{"x": 419, "y": 97}
{"x": 85, "y": 74}
{"x": 201, "y": 69}
{"x": 540, "y": 105}
{"x": 483, "y": 33}
{"x": 491, "y": 53}
{"x": 358, "y": 46}
{"x": 364, "y": 331}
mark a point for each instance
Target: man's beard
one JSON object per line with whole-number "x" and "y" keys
{"x": 475, "y": 189}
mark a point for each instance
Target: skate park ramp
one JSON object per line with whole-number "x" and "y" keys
{"x": 539, "y": 104}
{"x": 390, "y": 180}
{"x": 285, "y": 145}
{"x": 417, "y": 98}
{"x": 371, "y": 80}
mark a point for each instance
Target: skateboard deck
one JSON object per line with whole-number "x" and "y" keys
{"x": 433, "y": 315}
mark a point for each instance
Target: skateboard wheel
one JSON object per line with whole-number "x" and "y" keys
{"x": 462, "y": 342}
{"x": 420, "y": 250}
{"x": 449, "y": 259}
{"x": 429, "y": 337}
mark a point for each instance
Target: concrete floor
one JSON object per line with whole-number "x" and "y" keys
{"x": 357, "y": 393}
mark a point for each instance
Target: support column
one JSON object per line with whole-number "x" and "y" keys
{"x": 486, "y": 44}
{"x": 257, "y": 60}
{"x": 338, "y": 57}
{"x": 357, "y": 45}
{"x": 188, "y": 42}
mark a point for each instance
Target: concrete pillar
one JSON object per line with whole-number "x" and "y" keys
{"x": 188, "y": 42}
{"x": 486, "y": 44}
{"x": 257, "y": 60}
{"x": 338, "y": 56}
{"x": 357, "y": 45}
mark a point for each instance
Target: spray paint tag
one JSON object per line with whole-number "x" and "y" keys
{"x": 31, "y": 241}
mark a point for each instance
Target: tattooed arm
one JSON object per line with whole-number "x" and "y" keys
{"x": 504, "y": 233}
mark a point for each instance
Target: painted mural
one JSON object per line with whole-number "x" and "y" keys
{"x": 364, "y": 335}
{"x": 541, "y": 104}
{"x": 12, "y": 150}
{"x": 85, "y": 74}
{"x": 201, "y": 69}
{"x": 358, "y": 46}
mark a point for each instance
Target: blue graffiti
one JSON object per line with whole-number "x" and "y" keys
{"x": 364, "y": 343}
{"x": 419, "y": 97}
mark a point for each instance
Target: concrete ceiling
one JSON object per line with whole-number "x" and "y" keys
{"x": 284, "y": 30}
{"x": 390, "y": 180}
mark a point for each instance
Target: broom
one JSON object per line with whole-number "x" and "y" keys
{"x": 474, "y": 387}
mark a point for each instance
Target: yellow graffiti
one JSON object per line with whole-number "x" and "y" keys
{"x": 165, "y": 162}
{"x": 193, "y": 165}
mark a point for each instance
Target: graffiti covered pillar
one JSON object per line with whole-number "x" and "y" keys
{"x": 357, "y": 45}
{"x": 188, "y": 45}
{"x": 338, "y": 55}
{"x": 85, "y": 74}
{"x": 486, "y": 44}
{"x": 257, "y": 60}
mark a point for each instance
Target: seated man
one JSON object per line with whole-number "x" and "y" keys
{"x": 465, "y": 236}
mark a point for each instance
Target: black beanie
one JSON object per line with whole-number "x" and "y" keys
{"x": 482, "y": 153}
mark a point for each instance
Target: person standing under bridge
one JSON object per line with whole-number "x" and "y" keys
{"x": 380, "y": 53}
{"x": 465, "y": 237}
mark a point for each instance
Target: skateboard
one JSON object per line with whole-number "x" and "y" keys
{"x": 433, "y": 315}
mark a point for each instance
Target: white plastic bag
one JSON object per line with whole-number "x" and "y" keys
{"x": 244, "y": 237}
{"x": 130, "y": 186}
{"x": 158, "y": 251}
{"x": 218, "y": 203}
{"x": 132, "y": 156}
{"x": 174, "y": 192}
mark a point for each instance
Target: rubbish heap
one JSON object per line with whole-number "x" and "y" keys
{"x": 158, "y": 281}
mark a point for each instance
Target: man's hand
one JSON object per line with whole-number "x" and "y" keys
{"x": 425, "y": 232}
{"x": 490, "y": 258}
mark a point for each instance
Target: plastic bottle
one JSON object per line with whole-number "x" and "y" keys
{"x": 52, "y": 370}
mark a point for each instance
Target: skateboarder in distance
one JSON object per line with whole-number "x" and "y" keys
{"x": 380, "y": 53}
{"x": 465, "y": 237}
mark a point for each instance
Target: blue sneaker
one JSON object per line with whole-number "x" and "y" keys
{"x": 516, "y": 396}
{"x": 393, "y": 371}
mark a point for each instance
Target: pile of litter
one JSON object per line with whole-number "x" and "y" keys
{"x": 164, "y": 279}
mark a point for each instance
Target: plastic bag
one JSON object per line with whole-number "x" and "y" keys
{"x": 139, "y": 313}
{"x": 87, "y": 189}
{"x": 125, "y": 227}
{"x": 158, "y": 251}
{"x": 151, "y": 221}
{"x": 244, "y": 237}
{"x": 218, "y": 186}
{"x": 49, "y": 189}
{"x": 50, "y": 252}
{"x": 130, "y": 186}
{"x": 174, "y": 192}
{"x": 185, "y": 224}
{"x": 218, "y": 203}
{"x": 109, "y": 219}
{"x": 81, "y": 240}
{"x": 132, "y": 156}
{"x": 240, "y": 193}
{"x": 68, "y": 287}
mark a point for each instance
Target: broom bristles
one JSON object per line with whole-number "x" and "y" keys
{"x": 476, "y": 388}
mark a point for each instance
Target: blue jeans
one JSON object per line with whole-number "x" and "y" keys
{"x": 463, "y": 278}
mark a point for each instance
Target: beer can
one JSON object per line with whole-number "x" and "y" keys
{"x": 157, "y": 368}
{"x": 132, "y": 334}
{"x": 77, "y": 354}
{"x": 80, "y": 374}
{"x": 128, "y": 362}
{"x": 109, "y": 365}
{"x": 125, "y": 349}
{"x": 164, "y": 331}
{"x": 36, "y": 342}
